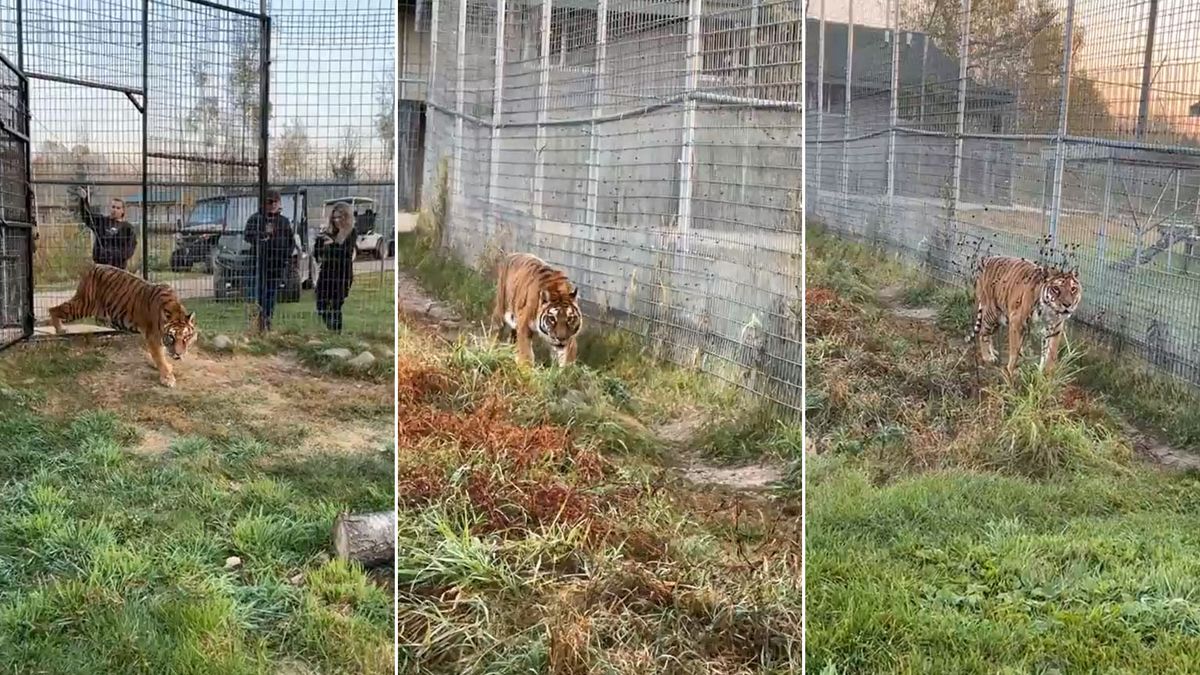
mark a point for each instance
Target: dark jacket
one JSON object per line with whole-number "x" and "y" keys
{"x": 337, "y": 265}
{"x": 273, "y": 248}
{"x": 115, "y": 240}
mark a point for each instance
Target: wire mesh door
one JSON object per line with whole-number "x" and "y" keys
{"x": 16, "y": 226}
{"x": 206, "y": 150}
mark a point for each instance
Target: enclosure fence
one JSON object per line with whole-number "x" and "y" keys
{"x": 952, "y": 130}
{"x": 184, "y": 113}
{"x": 650, "y": 148}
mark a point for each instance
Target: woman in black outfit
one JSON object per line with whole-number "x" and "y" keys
{"x": 335, "y": 253}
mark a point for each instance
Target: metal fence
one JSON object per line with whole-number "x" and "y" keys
{"x": 651, "y": 148}
{"x": 159, "y": 108}
{"x": 947, "y": 130}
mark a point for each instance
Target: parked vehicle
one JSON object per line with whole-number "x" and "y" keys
{"x": 234, "y": 261}
{"x": 197, "y": 238}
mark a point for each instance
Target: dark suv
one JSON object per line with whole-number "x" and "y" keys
{"x": 234, "y": 262}
{"x": 197, "y": 239}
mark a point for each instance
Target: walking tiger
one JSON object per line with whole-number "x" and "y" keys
{"x": 533, "y": 297}
{"x": 1012, "y": 291}
{"x": 127, "y": 303}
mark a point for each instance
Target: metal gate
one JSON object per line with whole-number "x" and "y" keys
{"x": 16, "y": 207}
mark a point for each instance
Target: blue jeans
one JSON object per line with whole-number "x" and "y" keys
{"x": 265, "y": 291}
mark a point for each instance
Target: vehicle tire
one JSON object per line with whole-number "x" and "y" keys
{"x": 381, "y": 249}
{"x": 180, "y": 261}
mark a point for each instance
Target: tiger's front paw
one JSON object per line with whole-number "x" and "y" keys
{"x": 167, "y": 381}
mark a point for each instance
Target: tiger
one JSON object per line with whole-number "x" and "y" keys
{"x": 128, "y": 303}
{"x": 533, "y": 297}
{"x": 1010, "y": 290}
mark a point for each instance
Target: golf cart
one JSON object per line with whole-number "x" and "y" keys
{"x": 234, "y": 263}
{"x": 370, "y": 240}
{"x": 197, "y": 239}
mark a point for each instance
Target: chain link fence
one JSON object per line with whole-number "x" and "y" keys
{"x": 651, "y": 148}
{"x": 157, "y": 111}
{"x": 951, "y": 130}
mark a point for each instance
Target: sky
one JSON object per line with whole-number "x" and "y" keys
{"x": 329, "y": 62}
{"x": 1114, "y": 39}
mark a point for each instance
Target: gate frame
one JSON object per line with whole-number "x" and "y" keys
{"x": 30, "y": 227}
{"x": 263, "y": 161}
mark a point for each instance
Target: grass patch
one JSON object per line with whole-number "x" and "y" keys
{"x": 967, "y": 525}
{"x": 539, "y": 531}
{"x": 368, "y": 312}
{"x": 115, "y": 562}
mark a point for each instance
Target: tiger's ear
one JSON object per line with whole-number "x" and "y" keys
{"x": 191, "y": 319}
{"x": 574, "y": 292}
{"x": 544, "y": 296}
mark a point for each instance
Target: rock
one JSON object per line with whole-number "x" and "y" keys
{"x": 362, "y": 361}
{"x": 386, "y": 353}
{"x": 313, "y": 343}
{"x": 233, "y": 562}
{"x": 222, "y": 343}
{"x": 297, "y": 579}
{"x": 322, "y": 558}
{"x": 338, "y": 353}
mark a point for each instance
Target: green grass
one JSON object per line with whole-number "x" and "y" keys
{"x": 113, "y": 560}
{"x": 540, "y": 530}
{"x": 368, "y": 312}
{"x": 960, "y": 524}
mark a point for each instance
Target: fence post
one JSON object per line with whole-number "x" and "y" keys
{"x": 427, "y": 170}
{"x": 964, "y": 52}
{"x": 1059, "y": 142}
{"x": 539, "y": 148}
{"x": 459, "y": 96}
{"x": 1101, "y": 244}
{"x": 497, "y": 115}
{"x": 145, "y": 138}
{"x": 687, "y": 151}
{"x": 846, "y": 117}
{"x": 593, "y": 185}
{"x": 1147, "y": 66}
{"x": 894, "y": 116}
{"x": 820, "y": 104}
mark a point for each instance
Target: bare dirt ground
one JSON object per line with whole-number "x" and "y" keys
{"x": 419, "y": 310}
{"x": 269, "y": 396}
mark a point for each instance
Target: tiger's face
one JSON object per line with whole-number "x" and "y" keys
{"x": 559, "y": 318}
{"x": 178, "y": 335}
{"x": 1062, "y": 292}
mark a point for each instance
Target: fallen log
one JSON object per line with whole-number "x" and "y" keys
{"x": 366, "y": 538}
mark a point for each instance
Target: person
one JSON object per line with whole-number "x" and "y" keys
{"x": 270, "y": 235}
{"x": 334, "y": 250}
{"x": 115, "y": 240}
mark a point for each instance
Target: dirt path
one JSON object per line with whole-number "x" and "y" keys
{"x": 1145, "y": 444}
{"x": 418, "y": 308}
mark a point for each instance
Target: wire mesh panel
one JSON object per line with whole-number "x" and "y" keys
{"x": 949, "y": 133}
{"x": 154, "y": 147}
{"x": 15, "y": 213}
{"x": 650, "y": 149}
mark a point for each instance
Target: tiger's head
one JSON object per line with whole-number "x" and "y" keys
{"x": 559, "y": 318}
{"x": 1061, "y": 292}
{"x": 178, "y": 333}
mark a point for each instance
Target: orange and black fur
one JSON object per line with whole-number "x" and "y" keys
{"x": 128, "y": 303}
{"x": 534, "y": 298}
{"x": 1013, "y": 291}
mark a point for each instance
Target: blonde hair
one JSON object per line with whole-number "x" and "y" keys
{"x": 341, "y": 234}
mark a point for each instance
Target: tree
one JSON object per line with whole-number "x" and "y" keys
{"x": 385, "y": 118}
{"x": 1017, "y": 46}
{"x": 343, "y": 160}
{"x": 292, "y": 152}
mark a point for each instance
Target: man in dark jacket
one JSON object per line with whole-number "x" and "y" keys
{"x": 114, "y": 241}
{"x": 270, "y": 235}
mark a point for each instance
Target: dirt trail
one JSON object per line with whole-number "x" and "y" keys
{"x": 419, "y": 309}
{"x": 1144, "y": 443}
